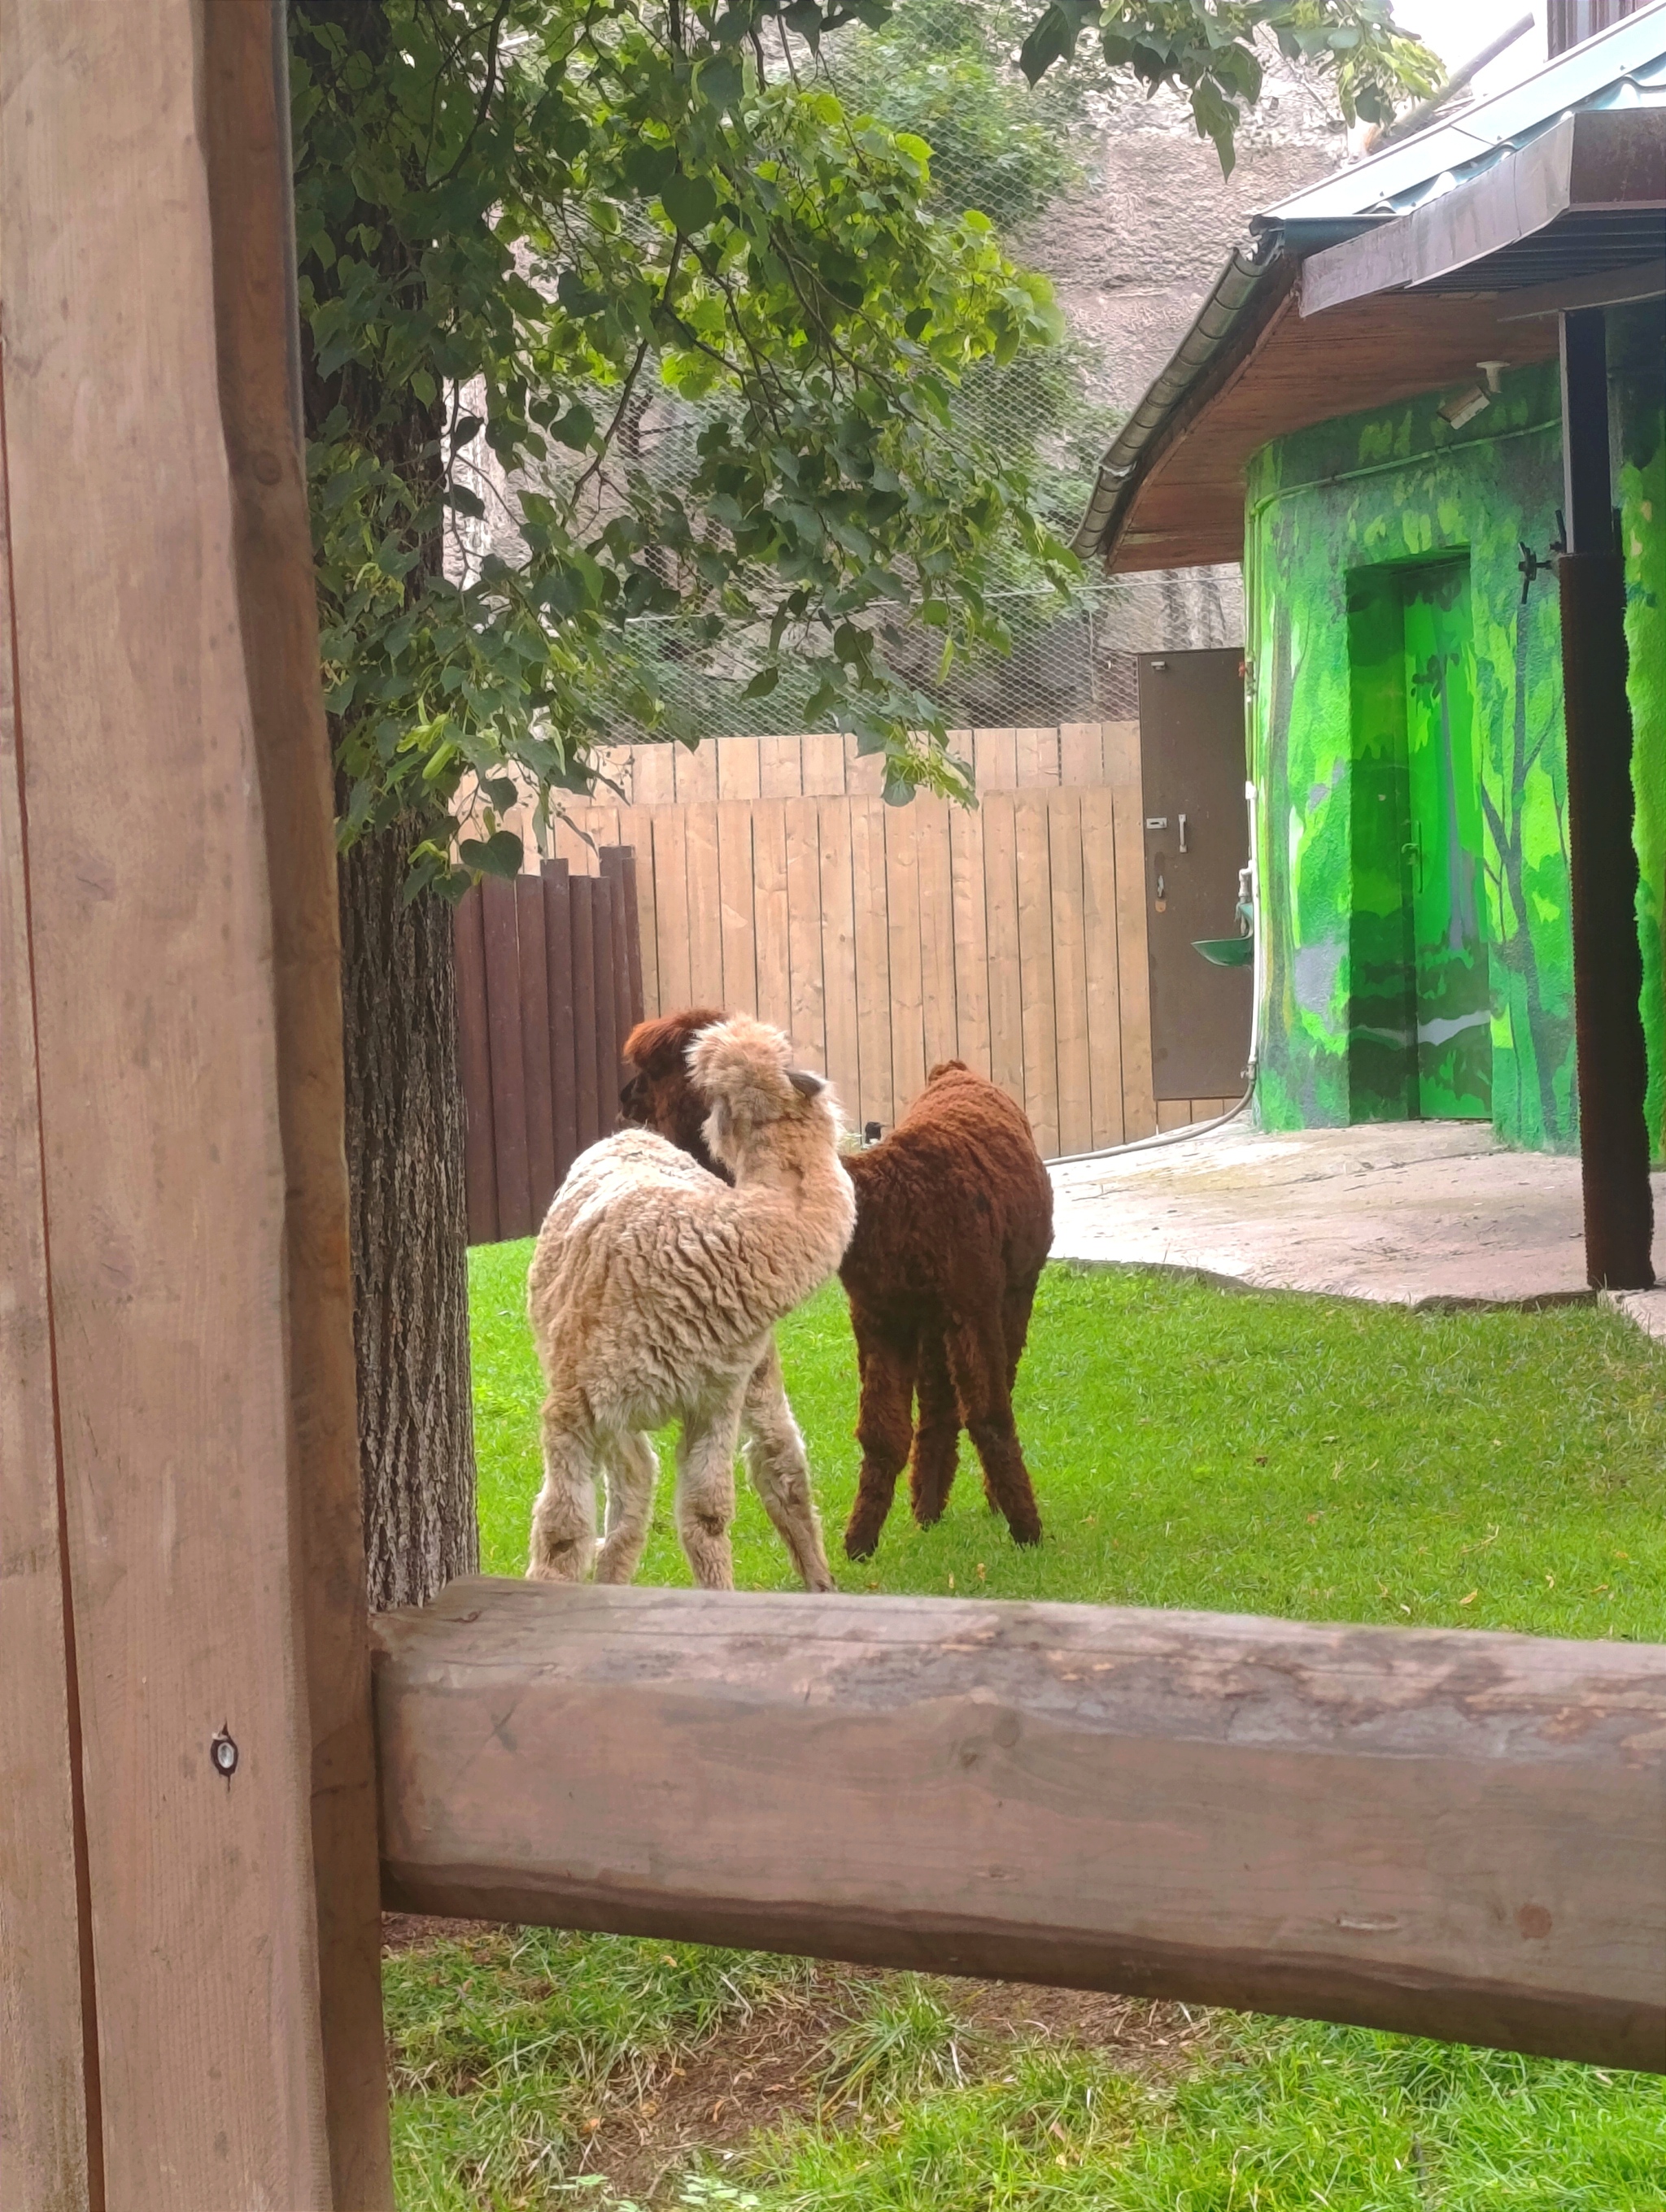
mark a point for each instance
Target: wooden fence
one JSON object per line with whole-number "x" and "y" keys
{"x": 548, "y": 983}
{"x": 772, "y": 878}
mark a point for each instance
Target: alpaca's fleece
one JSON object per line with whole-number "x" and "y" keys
{"x": 653, "y": 1289}
{"x": 954, "y": 1220}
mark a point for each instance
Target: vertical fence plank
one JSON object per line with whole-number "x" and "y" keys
{"x": 602, "y": 903}
{"x": 839, "y": 955}
{"x": 243, "y": 108}
{"x": 580, "y": 891}
{"x": 775, "y": 978}
{"x": 1123, "y": 772}
{"x": 864, "y": 773}
{"x": 1035, "y": 982}
{"x": 161, "y": 1156}
{"x": 563, "y": 1025}
{"x": 1001, "y": 887}
{"x": 735, "y": 890}
{"x": 705, "y": 908}
{"x": 995, "y": 756}
{"x": 1037, "y": 753}
{"x": 739, "y": 768}
{"x": 1064, "y": 831}
{"x": 808, "y": 1024}
{"x": 653, "y": 772}
{"x": 936, "y": 930}
{"x": 535, "y": 1044}
{"x": 971, "y": 939}
{"x": 636, "y": 840}
{"x": 48, "y": 2065}
{"x": 1100, "y": 950}
{"x": 696, "y": 772}
{"x": 670, "y": 909}
{"x": 867, "y": 879}
{"x": 781, "y": 767}
{"x": 474, "y": 1055}
{"x": 907, "y": 1012}
{"x": 1081, "y": 753}
{"x": 514, "y": 1188}
{"x": 636, "y": 981}
{"x": 614, "y": 867}
{"x": 823, "y": 765}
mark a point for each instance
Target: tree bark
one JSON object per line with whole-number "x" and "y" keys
{"x": 404, "y": 1158}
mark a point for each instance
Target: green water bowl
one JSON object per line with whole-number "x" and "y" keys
{"x": 1225, "y": 951}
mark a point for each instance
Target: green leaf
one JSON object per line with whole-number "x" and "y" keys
{"x": 500, "y": 854}
{"x": 691, "y": 202}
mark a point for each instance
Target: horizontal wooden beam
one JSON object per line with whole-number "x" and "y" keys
{"x": 1455, "y": 1834}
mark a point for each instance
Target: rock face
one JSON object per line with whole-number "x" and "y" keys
{"x": 1132, "y": 255}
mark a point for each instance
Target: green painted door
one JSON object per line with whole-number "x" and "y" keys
{"x": 1453, "y": 999}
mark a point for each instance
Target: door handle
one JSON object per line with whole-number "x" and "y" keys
{"x": 1183, "y": 833}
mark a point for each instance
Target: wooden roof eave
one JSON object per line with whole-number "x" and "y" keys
{"x": 1182, "y": 506}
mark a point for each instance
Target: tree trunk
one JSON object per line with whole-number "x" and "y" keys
{"x": 405, "y": 1158}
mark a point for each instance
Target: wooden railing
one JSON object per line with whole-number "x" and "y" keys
{"x": 1451, "y": 1833}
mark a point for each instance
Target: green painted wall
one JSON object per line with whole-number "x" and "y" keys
{"x": 1333, "y": 513}
{"x": 1636, "y": 354}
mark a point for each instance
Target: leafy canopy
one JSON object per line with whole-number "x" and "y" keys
{"x": 522, "y": 224}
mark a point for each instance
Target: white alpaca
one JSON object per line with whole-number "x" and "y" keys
{"x": 653, "y": 1294}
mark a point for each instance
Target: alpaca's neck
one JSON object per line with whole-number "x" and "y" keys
{"x": 800, "y": 1193}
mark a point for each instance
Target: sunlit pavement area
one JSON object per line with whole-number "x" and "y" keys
{"x": 1417, "y": 1213}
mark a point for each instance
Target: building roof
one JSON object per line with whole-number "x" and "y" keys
{"x": 1256, "y": 365}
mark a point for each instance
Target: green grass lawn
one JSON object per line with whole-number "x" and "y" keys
{"x": 1194, "y": 1448}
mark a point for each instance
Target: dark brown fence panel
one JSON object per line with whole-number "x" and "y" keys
{"x": 619, "y": 862}
{"x": 535, "y": 1043}
{"x": 563, "y": 1058}
{"x": 545, "y": 993}
{"x": 514, "y": 1189}
{"x": 582, "y": 889}
{"x": 608, "y": 1040}
{"x": 475, "y": 1061}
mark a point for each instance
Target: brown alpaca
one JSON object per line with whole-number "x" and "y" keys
{"x": 954, "y": 1220}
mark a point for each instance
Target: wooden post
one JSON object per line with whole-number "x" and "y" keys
{"x": 1445, "y": 1832}
{"x": 170, "y": 1069}
{"x": 1613, "y": 1058}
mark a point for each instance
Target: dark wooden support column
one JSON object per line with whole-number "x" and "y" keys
{"x": 1608, "y": 962}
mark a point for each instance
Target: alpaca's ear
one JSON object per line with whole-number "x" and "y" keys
{"x": 806, "y": 1085}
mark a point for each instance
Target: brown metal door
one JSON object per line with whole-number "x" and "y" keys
{"x": 1197, "y": 838}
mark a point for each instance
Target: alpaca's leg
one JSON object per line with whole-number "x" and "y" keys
{"x": 937, "y": 1438}
{"x": 632, "y": 1471}
{"x": 563, "y": 1542}
{"x": 1015, "y": 1328}
{"x": 977, "y": 1361}
{"x": 884, "y": 1430}
{"x": 705, "y": 1486}
{"x": 780, "y": 1471}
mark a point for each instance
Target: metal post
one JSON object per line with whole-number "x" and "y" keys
{"x": 1607, "y": 962}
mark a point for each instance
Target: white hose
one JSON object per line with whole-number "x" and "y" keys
{"x": 1219, "y": 1122}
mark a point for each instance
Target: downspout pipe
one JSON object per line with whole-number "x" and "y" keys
{"x": 1612, "y": 1052}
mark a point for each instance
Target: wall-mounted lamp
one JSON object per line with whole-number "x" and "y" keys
{"x": 1465, "y": 407}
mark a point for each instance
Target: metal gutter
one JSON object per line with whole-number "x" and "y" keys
{"x": 1233, "y": 292}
